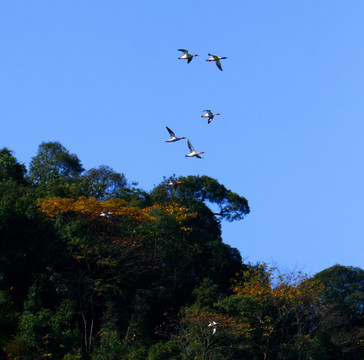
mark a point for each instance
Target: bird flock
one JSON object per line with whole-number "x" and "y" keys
{"x": 193, "y": 153}
{"x": 208, "y": 113}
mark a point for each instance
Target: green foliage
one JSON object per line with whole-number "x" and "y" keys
{"x": 10, "y": 169}
{"x": 104, "y": 182}
{"x": 280, "y": 312}
{"x": 344, "y": 288}
{"x": 48, "y": 331}
{"x": 111, "y": 346}
{"x": 204, "y": 189}
{"x": 342, "y": 327}
{"x": 55, "y": 171}
{"x": 145, "y": 281}
{"x": 164, "y": 351}
{"x": 207, "y": 294}
{"x": 52, "y": 162}
{"x": 8, "y": 318}
{"x": 74, "y": 355}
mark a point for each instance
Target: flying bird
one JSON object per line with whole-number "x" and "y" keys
{"x": 214, "y": 325}
{"x": 174, "y": 182}
{"x": 186, "y": 55}
{"x": 209, "y": 115}
{"x": 193, "y": 152}
{"x": 106, "y": 214}
{"x": 173, "y": 136}
{"x": 217, "y": 59}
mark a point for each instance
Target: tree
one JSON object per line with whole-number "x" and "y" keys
{"x": 207, "y": 190}
{"x": 281, "y": 311}
{"x": 46, "y": 324}
{"x": 21, "y": 233}
{"x": 104, "y": 182}
{"x": 108, "y": 259}
{"x": 208, "y": 335}
{"x": 54, "y": 162}
{"x": 342, "y": 327}
{"x": 10, "y": 169}
{"x": 344, "y": 288}
{"x": 200, "y": 194}
{"x": 8, "y": 320}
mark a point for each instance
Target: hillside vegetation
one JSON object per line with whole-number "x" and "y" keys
{"x": 92, "y": 267}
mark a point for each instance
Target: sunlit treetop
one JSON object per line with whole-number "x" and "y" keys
{"x": 93, "y": 208}
{"x": 261, "y": 285}
{"x": 180, "y": 213}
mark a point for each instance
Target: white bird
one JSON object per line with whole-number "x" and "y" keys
{"x": 193, "y": 152}
{"x": 217, "y": 59}
{"x": 173, "y": 136}
{"x": 186, "y": 55}
{"x": 106, "y": 214}
{"x": 210, "y": 115}
{"x": 214, "y": 325}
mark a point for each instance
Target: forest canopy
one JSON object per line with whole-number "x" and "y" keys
{"x": 92, "y": 267}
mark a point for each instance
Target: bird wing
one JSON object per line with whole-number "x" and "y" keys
{"x": 190, "y": 146}
{"x": 170, "y": 131}
{"x": 189, "y": 59}
{"x": 183, "y": 50}
{"x": 218, "y": 63}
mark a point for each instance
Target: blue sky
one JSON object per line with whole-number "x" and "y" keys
{"x": 103, "y": 78}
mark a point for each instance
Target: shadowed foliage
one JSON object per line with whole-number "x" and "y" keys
{"x": 92, "y": 268}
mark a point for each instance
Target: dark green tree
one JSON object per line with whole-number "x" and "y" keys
{"x": 10, "y": 169}
{"x": 229, "y": 205}
{"x": 53, "y": 161}
{"x": 344, "y": 288}
{"x": 47, "y": 320}
{"x": 211, "y": 257}
{"x": 342, "y": 327}
{"x": 26, "y": 246}
{"x": 21, "y": 233}
{"x": 104, "y": 183}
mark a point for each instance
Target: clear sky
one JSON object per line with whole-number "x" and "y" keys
{"x": 103, "y": 78}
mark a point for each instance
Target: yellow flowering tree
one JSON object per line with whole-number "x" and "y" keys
{"x": 279, "y": 309}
